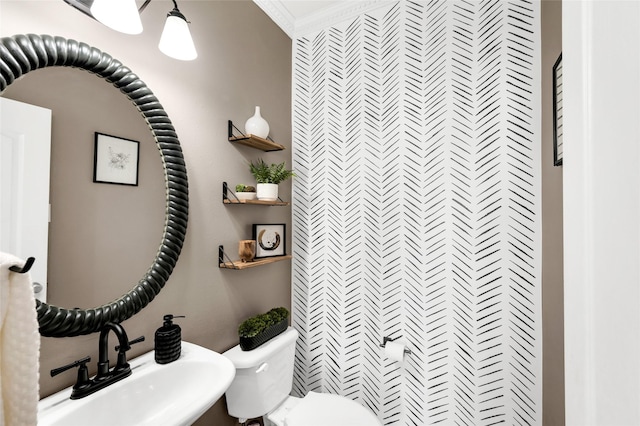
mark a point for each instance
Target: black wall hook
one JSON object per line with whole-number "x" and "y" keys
{"x": 27, "y": 265}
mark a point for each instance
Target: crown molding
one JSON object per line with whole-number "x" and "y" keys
{"x": 324, "y": 18}
{"x": 278, "y": 14}
{"x": 335, "y": 14}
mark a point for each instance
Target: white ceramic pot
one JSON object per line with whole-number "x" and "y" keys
{"x": 246, "y": 195}
{"x": 257, "y": 125}
{"x": 267, "y": 191}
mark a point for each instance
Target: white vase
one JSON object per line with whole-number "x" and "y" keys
{"x": 267, "y": 191}
{"x": 257, "y": 125}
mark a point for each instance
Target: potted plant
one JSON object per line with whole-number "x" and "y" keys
{"x": 245, "y": 192}
{"x": 259, "y": 329}
{"x": 268, "y": 177}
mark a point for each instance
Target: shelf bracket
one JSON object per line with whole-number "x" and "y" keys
{"x": 226, "y": 191}
{"x": 231, "y": 127}
{"x": 223, "y": 259}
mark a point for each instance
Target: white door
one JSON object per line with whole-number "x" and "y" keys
{"x": 601, "y": 187}
{"x": 25, "y": 151}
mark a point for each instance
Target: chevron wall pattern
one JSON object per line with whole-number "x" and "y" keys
{"x": 417, "y": 211}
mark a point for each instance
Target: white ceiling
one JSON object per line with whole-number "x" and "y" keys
{"x": 298, "y": 17}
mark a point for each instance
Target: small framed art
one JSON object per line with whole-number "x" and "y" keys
{"x": 115, "y": 160}
{"x": 270, "y": 239}
{"x": 557, "y": 112}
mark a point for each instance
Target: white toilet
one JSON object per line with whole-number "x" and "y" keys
{"x": 264, "y": 378}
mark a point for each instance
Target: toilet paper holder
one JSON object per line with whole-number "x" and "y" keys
{"x": 386, "y": 339}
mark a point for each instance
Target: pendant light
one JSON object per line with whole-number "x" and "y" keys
{"x": 124, "y": 16}
{"x": 176, "y": 41}
{"x": 119, "y": 15}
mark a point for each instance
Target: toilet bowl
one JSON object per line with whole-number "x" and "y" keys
{"x": 264, "y": 379}
{"x": 321, "y": 409}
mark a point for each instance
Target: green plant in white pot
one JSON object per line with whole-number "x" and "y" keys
{"x": 268, "y": 177}
{"x": 245, "y": 192}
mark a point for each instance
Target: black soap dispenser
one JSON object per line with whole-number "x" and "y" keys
{"x": 168, "y": 341}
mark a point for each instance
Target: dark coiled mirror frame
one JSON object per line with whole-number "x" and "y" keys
{"x": 21, "y": 54}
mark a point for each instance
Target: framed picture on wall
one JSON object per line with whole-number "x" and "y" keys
{"x": 270, "y": 239}
{"x": 557, "y": 112}
{"x": 115, "y": 160}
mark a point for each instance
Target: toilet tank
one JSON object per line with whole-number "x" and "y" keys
{"x": 264, "y": 376}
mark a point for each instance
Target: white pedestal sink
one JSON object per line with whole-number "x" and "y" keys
{"x": 177, "y": 393}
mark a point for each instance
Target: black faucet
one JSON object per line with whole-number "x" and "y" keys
{"x": 122, "y": 366}
{"x": 104, "y": 377}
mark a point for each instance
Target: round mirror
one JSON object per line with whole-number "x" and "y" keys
{"x": 22, "y": 54}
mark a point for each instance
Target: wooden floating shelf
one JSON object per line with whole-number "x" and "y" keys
{"x": 238, "y": 264}
{"x": 256, "y": 202}
{"x": 257, "y": 142}
{"x": 253, "y": 141}
{"x": 228, "y": 197}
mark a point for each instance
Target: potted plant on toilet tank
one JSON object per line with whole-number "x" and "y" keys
{"x": 268, "y": 177}
{"x": 259, "y": 329}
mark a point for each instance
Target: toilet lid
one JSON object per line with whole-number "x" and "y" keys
{"x": 321, "y": 409}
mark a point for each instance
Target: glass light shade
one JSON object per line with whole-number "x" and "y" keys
{"x": 176, "y": 40}
{"x": 120, "y": 15}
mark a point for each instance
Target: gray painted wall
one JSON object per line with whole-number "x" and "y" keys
{"x": 552, "y": 258}
{"x": 244, "y": 61}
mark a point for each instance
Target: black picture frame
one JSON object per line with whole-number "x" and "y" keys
{"x": 558, "y": 151}
{"x": 271, "y": 239}
{"x": 116, "y": 160}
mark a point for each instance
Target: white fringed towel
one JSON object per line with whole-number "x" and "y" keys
{"x": 19, "y": 346}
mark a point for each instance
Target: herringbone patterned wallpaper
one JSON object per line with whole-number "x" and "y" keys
{"x": 417, "y": 211}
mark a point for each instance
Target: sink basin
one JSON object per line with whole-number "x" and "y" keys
{"x": 155, "y": 394}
